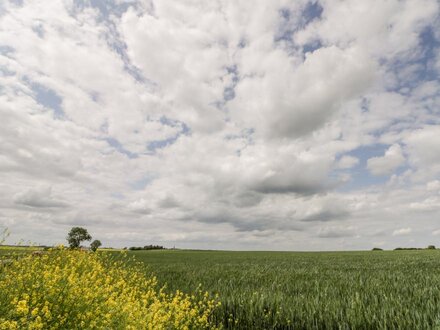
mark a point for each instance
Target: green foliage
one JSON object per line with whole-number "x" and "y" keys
{"x": 76, "y": 236}
{"x": 95, "y": 245}
{"x": 283, "y": 290}
{"x": 146, "y": 247}
{"x": 431, "y": 247}
{"x": 377, "y": 249}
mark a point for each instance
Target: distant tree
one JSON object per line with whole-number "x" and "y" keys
{"x": 377, "y": 249}
{"x": 431, "y": 247}
{"x": 76, "y": 236}
{"x": 95, "y": 245}
{"x": 146, "y": 247}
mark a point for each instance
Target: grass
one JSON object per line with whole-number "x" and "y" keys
{"x": 335, "y": 290}
{"x": 12, "y": 251}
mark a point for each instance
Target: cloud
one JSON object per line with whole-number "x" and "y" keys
{"x": 402, "y": 231}
{"x": 347, "y": 162}
{"x": 392, "y": 159}
{"x": 140, "y": 206}
{"x": 385, "y": 29}
{"x": 429, "y": 204}
{"x": 247, "y": 125}
{"x": 433, "y": 185}
{"x": 424, "y": 150}
{"x": 329, "y": 210}
{"x": 305, "y": 96}
{"x": 336, "y": 232}
{"x": 38, "y": 198}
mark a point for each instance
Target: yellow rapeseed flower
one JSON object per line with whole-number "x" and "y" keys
{"x": 65, "y": 288}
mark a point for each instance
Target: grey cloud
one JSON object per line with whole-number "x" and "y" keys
{"x": 39, "y": 198}
{"x": 336, "y": 232}
{"x": 301, "y": 178}
{"x": 168, "y": 202}
{"x": 247, "y": 199}
{"x": 282, "y": 185}
{"x": 249, "y": 222}
{"x": 327, "y": 215}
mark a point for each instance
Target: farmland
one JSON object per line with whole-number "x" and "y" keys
{"x": 266, "y": 290}
{"x": 255, "y": 290}
{"x": 73, "y": 289}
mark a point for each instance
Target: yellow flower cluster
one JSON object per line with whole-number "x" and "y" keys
{"x": 65, "y": 289}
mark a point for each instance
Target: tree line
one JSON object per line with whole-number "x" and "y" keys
{"x": 77, "y": 235}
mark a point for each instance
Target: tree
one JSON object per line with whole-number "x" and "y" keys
{"x": 76, "y": 236}
{"x": 95, "y": 245}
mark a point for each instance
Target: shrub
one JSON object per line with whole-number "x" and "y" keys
{"x": 95, "y": 245}
{"x": 146, "y": 247}
{"x": 70, "y": 289}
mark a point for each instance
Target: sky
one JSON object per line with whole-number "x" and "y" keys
{"x": 244, "y": 125}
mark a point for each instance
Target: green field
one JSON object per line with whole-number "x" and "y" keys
{"x": 334, "y": 290}
{"x": 13, "y": 251}
{"x": 304, "y": 290}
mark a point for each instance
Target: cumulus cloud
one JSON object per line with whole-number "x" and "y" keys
{"x": 306, "y": 96}
{"x": 423, "y": 148}
{"x": 392, "y": 159}
{"x": 246, "y": 125}
{"x": 347, "y": 162}
{"x": 38, "y": 198}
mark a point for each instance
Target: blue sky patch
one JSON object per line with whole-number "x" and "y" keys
{"x": 360, "y": 175}
{"x": 160, "y": 144}
{"x": 49, "y": 99}
{"x": 141, "y": 183}
{"x": 120, "y": 148}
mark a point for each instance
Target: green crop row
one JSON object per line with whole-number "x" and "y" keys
{"x": 281, "y": 290}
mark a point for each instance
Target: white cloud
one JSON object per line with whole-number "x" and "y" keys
{"x": 423, "y": 147}
{"x": 166, "y": 123}
{"x": 433, "y": 185}
{"x": 402, "y": 231}
{"x": 392, "y": 159}
{"x": 305, "y": 95}
{"x": 384, "y": 29}
{"x": 347, "y": 162}
{"x": 429, "y": 204}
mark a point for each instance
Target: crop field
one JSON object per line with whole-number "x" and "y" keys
{"x": 74, "y": 289}
{"x": 334, "y": 290}
{"x": 16, "y": 250}
{"x": 245, "y": 290}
